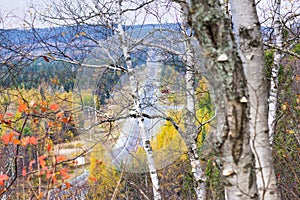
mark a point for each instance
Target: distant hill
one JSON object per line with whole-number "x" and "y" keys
{"x": 67, "y": 34}
{"x": 73, "y": 39}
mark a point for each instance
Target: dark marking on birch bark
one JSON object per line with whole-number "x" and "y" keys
{"x": 248, "y": 39}
{"x": 235, "y": 124}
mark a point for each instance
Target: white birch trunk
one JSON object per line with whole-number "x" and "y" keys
{"x": 273, "y": 95}
{"x": 246, "y": 23}
{"x": 137, "y": 104}
{"x": 191, "y": 129}
{"x": 224, "y": 70}
{"x": 190, "y": 119}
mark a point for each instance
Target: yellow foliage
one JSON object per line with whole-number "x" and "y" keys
{"x": 167, "y": 136}
{"x": 204, "y": 108}
{"x": 103, "y": 178}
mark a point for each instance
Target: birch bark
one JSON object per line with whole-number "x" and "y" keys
{"x": 190, "y": 118}
{"x": 273, "y": 95}
{"x": 225, "y": 72}
{"x": 137, "y": 104}
{"x": 191, "y": 129}
{"x": 246, "y": 23}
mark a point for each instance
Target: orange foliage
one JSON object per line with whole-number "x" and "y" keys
{"x": 3, "y": 178}
{"x": 42, "y": 161}
{"x": 54, "y": 107}
{"x": 22, "y": 107}
{"x": 24, "y": 173}
{"x": 60, "y": 158}
{"x": 9, "y": 138}
{"x": 29, "y": 140}
{"x": 64, "y": 173}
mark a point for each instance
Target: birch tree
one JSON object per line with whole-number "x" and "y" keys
{"x": 191, "y": 131}
{"x": 275, "y": 20}
{"x": 251, "y": 52}
{"x": 273, "y": 96}
{"x": 190, "y": 119}
{"x": 137, "y": 104}
{"x": 226, "y": 76}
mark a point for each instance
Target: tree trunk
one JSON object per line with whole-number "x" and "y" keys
{"x": 224, "y": 70}
{"x": 190, "y": 117}
{"x": 250, "y": 48}
{"x": 137, "y": 105}
{"x": 273, "y": 95}
{"x": 191, "y": 129}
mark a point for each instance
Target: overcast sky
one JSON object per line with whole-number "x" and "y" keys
{"x": 9, "y": 5}
{"x": 12, "y": 12}
{"x": 10, "y": 9}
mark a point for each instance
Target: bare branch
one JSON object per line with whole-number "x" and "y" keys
{"x": 138, "y": 7}
{"x": 282, "y": 49}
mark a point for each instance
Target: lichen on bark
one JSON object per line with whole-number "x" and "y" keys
{"x": 225, "y": 73}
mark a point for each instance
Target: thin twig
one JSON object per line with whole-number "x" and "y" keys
{"x": 282, "y": 49}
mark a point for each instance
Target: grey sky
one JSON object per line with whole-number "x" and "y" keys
{"x": 12, "y": 12}
{"x": 10, "y": 5}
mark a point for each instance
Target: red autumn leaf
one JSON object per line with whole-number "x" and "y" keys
{"x": 9, "y": 114}
{"x": 54, "y": 179}
{"x": 35, "y": 120}
{"x": 42, "y": 161}
{"x": 44, "y": 103}
{"x": 49, "y": 147}
{"x": 64, "y": 173}
{"x": 1, "y": 117}
{"x": 68, "y": 185}
{"x": 43, "y": 109}
{"x": 22, "y": 107}
{"x": 30, "y": 164}
{"x": 15, "y": 133}
{"x": 41, "y": 195}
{"x": 64, "y": 120}
{"x": 3, "y": 178}
{"x": 16, "y": 142}
{"x": 48, "y": 174}
{"x": 46, "y": 58}
{"x": 60, "y": 158}
{"x": 60, "y": 114}
{"x": 54, "y": 107}
{"x": 24, "y": 173}
{"x": 50, "y": 124}
{"x": 25, "y": 141}
{"x": 33, "y": 140}
{"x": 93, "y": 179}
{"x": 99, "y": 162}
{"x": 7, "y": 138}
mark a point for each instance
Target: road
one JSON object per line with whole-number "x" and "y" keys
{"x": 78, "y": 189}
{"x": 130, "y": 139}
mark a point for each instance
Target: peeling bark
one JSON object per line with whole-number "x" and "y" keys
{"x": 137, "y": 105}
{"x": 252, "y": 55}
{"x": 225, "y": 73}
